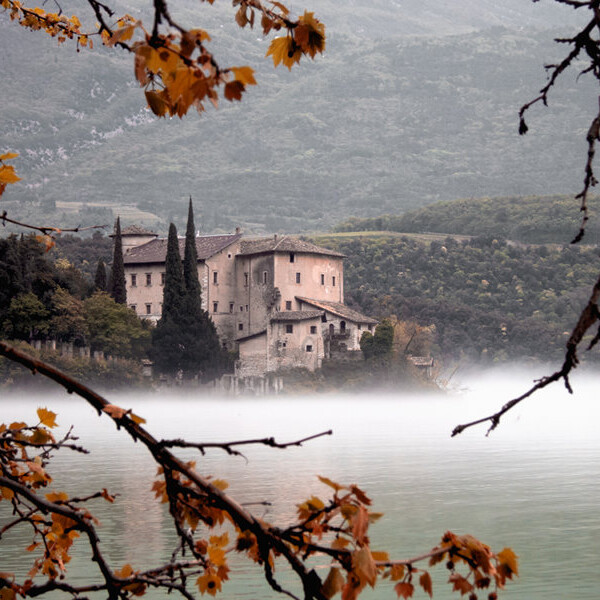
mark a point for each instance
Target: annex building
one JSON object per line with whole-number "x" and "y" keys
{"x": 279, "y": 300}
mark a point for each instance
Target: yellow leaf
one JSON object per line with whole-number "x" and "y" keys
{"x": 283, "y": 50}
{"x": 397, "y": 572}
{"x": 332, "y": 484}
{"x": 509, "y": 560}
{"x": 333, "y": 583}
{"x": 8, "y": 175}
{"x": 310, "y": 34}
{"x": 47, "y": 417}
{"x": 121, "y": 35}
{"x": 220, "y": 484}
{"x": 244, "y": 74}
{"x": 125, "y": 572}
{"x": 209, "y": 582}
{"x": 6, "y": 493}
{"x": 9, "y": 155}
{"x": 137, "y": 419}
{"x": 380, "y": 556}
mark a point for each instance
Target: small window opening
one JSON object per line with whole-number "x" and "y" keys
{"x": 288, "y": 305}
{"x": 289, "y": 328}
{"x": 297, "y": 277}
{"x": 133, "y": 280}
{"x": 313, "y": 329}
{"x": 308, "y": 348}
{"x": 148, "y": 309}
{"x": 292, "y": 257}
{"x": 215, "y": 307}
{"x": 148, "y": 278}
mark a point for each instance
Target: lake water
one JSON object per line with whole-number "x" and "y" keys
{"x": 532, "y": 485}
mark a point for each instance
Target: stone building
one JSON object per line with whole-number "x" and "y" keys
{"x": 279, "y": 299}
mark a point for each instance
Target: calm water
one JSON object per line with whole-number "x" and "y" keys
{"x": 532, "y": 485}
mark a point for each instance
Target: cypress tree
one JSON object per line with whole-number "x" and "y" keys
{"x": 203, "y": 353}
{"x": 100, "y": 278}
{"x": 118, "y": 289}
{"x": 168, "y": 343}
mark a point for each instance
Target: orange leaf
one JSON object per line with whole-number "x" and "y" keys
{"x": 47, "y": 417}
{"x": 459, "y": 584}
{"x": 425, "y": 581}
{"x": 8, "y": 175}
{"x": 9, "y": 155}
{"x": 244, "y": 74}
{"x": 364, "y": 567}
{"x": 114, "y": 411}
{"x": 404, "y": 589}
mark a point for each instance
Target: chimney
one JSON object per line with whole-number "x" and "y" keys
{"x": 275, "y": 237}
{"x": 238, "y": 231}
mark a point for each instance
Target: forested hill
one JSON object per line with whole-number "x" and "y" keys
{"x": 533, "y": 219}
{"x": 413, "y": 103}
{"x": 489, "y": 300}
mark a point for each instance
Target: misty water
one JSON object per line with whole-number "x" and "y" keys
{"x": 532, "y": 485}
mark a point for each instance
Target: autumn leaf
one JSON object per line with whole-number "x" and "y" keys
{"x": 310, "y": 34}
{"x": 244, "y": 74}
{"x": 364, "y": 567}
{"x": 397, "y": 572}
{"x": 47, "y": 417}
{"x": 116, "y": 412}
{"x": 332, "y": 484}
{"x": 425, "y": 581}
{"x": 360, "y": 525}
{"x": 380, "y": 556}
{"x": 460, "y": 584}
{"x": 404, "y": 589}
{"x": 9, "y": 155}
{"x": 8, "y": 175}
{"x": 284, "y": 50}
{"x": 209, "y": 583}
{"x": 137, "y": 419}
{"x": 233, "y": 90}
{"x": 333, "y": 583}
{"x": 508, "y": 563}
{"x": 156, "y": 103}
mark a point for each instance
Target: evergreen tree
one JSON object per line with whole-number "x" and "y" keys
{"x": 168, "y": 347}
{"x": 100, "y": 278}
{"x": 203, "y": 353}
{"x": 117, "y": 279}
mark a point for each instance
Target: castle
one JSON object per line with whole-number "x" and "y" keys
{"x": 279, "y": 300}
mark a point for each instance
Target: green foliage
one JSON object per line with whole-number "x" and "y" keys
{"x": 118, "y": 289}
{"x": 100, "y": 282}
{"x": 68, "y": 323}
{"x": 26, "y": 317}
{"x": 488, "y": 300}
{"x": 114, "y": 328}
{"x": 532, "y": 219}
{"x": 380, "y": 344}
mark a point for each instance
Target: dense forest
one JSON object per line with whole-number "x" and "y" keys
{"x": 531, "y": 219}
{"x": 489, "y": 299}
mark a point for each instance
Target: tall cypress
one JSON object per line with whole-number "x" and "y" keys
{"x": 118, "y": 289}
{"x": 168, "y": 344}
{"x": 174, "y": 290}
{"x": 100, "y": 278}
{"x": 190, "y": 258}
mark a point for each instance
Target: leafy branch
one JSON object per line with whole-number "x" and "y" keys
{"x": 198, "y": 505}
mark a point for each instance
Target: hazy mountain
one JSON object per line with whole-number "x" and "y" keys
{"x": 414, "y": 102}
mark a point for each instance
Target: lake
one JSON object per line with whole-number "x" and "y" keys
{"x": 533, "y": 484}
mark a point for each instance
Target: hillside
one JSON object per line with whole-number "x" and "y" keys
{"x": 413, "y": 103}
{"x": 532, "y": 219}
{"x": 489, "y": 301}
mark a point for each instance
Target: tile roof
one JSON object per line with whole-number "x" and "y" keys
{"x": 137, "y": 230}
{"x": 284, "y": 243}
{"x": 156, "y": 251}
{"x": 296, "y": 315}
{"x": 338, "y": 309}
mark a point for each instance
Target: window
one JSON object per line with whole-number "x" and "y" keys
{"x": 246, "y": 308}
{"x": 359, "y": 326}
{"x": 370, "y": 327}
{"x": 215, "y": 277}
{"x": 308, "y": 348}
{"x": 231, "y": 307}
{"x": 241, "y": 309}
{"x": 292, "y": 257}
{"x": 297, "y": 277}
{"x": 162, "y": 279}
{"x": 215, "y": 307}
{"x": 265, "y": 277}
{"x": 148, "y": 278}
{"x": 322, "y": 278}
{"x": 333, "y": 281}
{"x": 288, "y": 305}
{"x": 148, "y": 309}
{"x": 289, "y": 328}
{"x": 240, "y": 327}
{"x": 133, "y": 307}
{"x": 246, "y": 279}
{"x": 133, "y": 280}
{"x": 313, "y": 329}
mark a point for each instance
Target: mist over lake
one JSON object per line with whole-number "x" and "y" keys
{"x": 532, "y": 484}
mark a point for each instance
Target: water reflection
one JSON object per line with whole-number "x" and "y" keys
{"x": 533, "y": 484}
